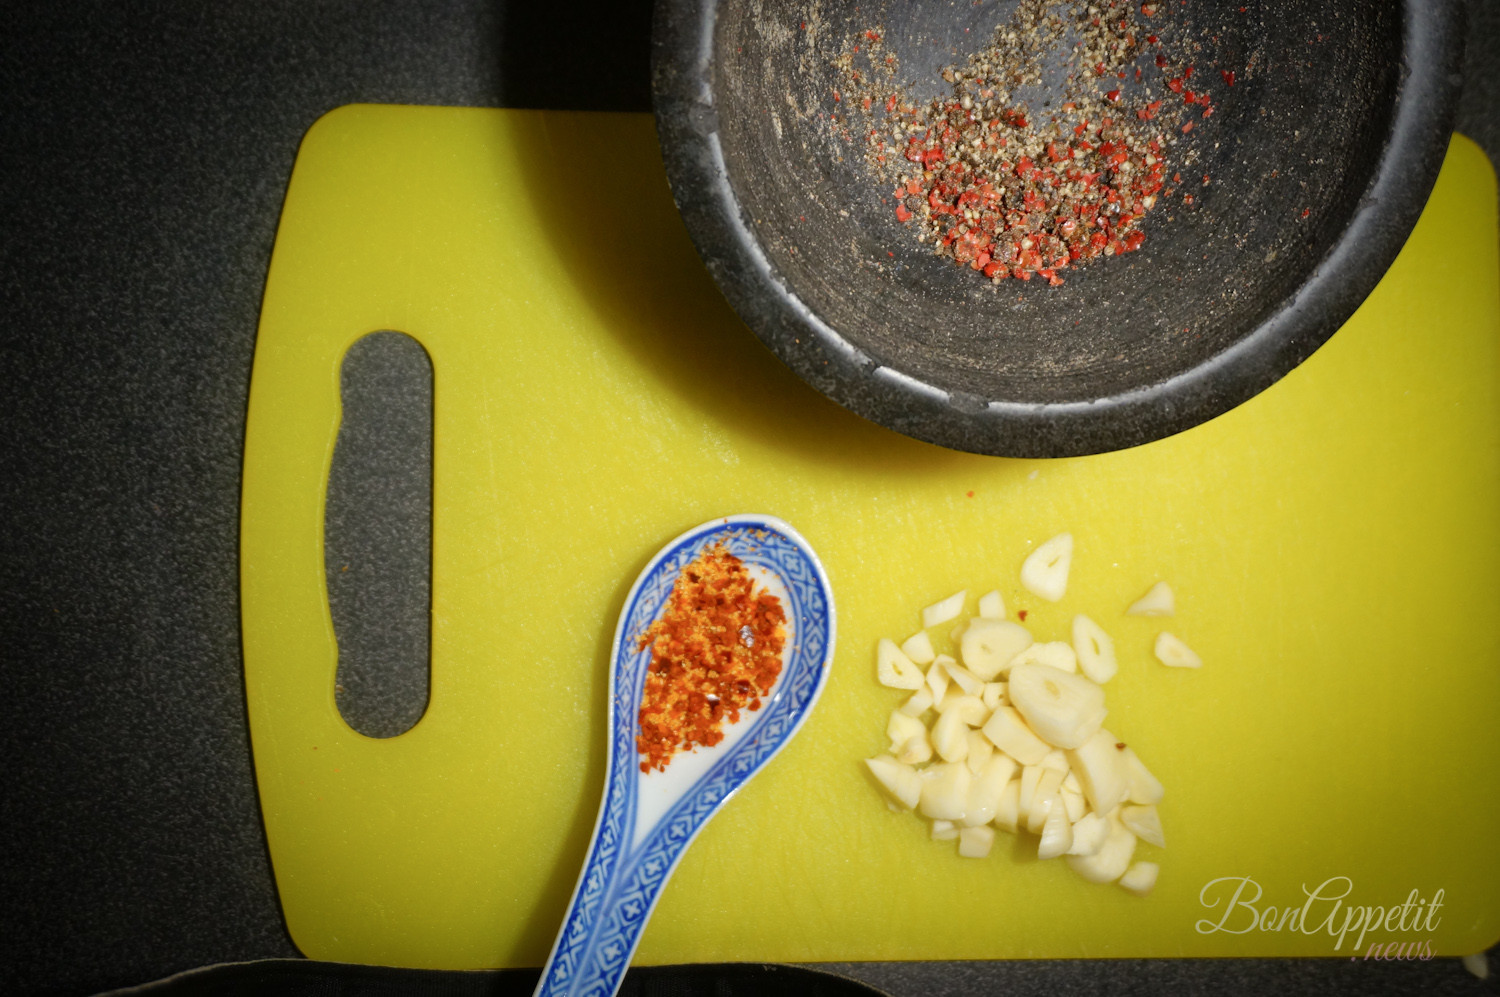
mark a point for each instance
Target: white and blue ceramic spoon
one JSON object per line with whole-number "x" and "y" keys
{"x": 647, "y": 820}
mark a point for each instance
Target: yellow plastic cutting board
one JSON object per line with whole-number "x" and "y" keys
{"x": 1334, "y": 545}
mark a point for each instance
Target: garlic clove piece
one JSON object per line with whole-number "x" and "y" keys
{"x": 1044, "y": 800}
{"x": 988, "y": 646}
{"x": 901, "y": 782}
{"x": 1140, "y": 878}
{"x": 918, "y": 702}
{"x": 1063, "y": 709}
{"x": 1095, "y": 650}
{"x": 1111, "y": 860}
{"x": 992, "y": 605}
{"x": 1008, "y": 810}
{"x": 950, "y": 736}
{"x": 1156, "y": 602}
{"x": 1144, "y": 787}
{"x": 1031, "y": 777}
{"x": 985, "y": 790}
{"x": 975, "y": 842}
{"x": 944, "y": 610}
{"x": 937, "y": 677}
{"x": 1171, "y": 651}
{"x": 944, "y": 830}
{"x": 980, "y": 751}
{"x": 1145, "y": 823}
{"x": 915, "y": 751}
{"x": 1053, "y": 653}
{"x": 1008, "y": 732}
{"x": 918, "y": 647}
{"x": 903, "y": 727}
{"x": 1045, "y": 571}
{"x": 1099, "y": 766}
{"x": 945, "y": 792}
{"x": 1089, "y": 834}
{"x": 894, "y": 668}
{"x": 971, "y": 684}
{"x": 1057, "y": 833}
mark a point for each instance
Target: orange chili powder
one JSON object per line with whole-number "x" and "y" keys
{"x": 715, "y": 651}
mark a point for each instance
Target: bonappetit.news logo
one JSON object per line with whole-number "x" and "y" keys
{"x": 1235, "y": 903}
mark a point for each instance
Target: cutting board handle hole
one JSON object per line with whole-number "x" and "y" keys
{"x": 377, "y": 529}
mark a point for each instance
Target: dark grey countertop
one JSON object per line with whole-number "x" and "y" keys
{"x": 144, "y": 152}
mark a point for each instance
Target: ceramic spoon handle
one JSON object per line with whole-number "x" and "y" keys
{"x": 610, "y": 908}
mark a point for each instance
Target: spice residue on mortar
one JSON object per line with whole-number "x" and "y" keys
{"x": 1011, "y": 179}
{"x": 715, "y": 652}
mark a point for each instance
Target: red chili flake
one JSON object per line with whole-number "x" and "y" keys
{"x": 1187, "y": 128}
{"x": 1161, "y": 62}
{"x": 874, "y": 36}
{"x": 971, "y": 494}
{"x": 835, "y": 95}
{"x": 1205, "y": 178}
{"x": 1228, "y": 74}
{"x": 1208, "y": 112}
{"x": 1151, "y": 39}
{"x": 902, "y": 213}
{"x": 1189, "y": 97}
{"x": 1306, "y": 212}
{"x": 1187, "y": 198}
{"x": 714, "y": 653}
{"x": 1113, "y": 96}
{"x": 1149, "y": 9}
{"x": 1187, "y": 73}
{"x": 1177, "y": 178}
{"x": 1021, "y": 615}
{"x": 1175, "y": 84}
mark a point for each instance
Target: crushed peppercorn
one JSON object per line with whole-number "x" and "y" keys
{"x": 1009, "y": 190}
{"x": 715, "y": 652}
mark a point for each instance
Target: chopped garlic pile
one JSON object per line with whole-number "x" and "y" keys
{"x": 1011, "y": 735}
